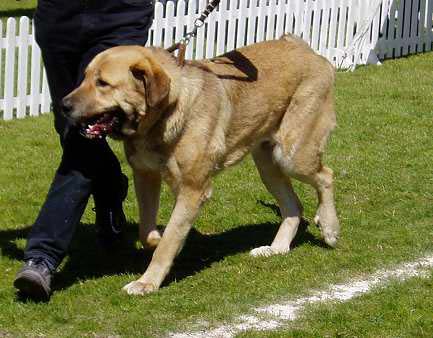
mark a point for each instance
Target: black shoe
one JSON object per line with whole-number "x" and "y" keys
{"x": 34, "y": 280}
{"x": 110, "y": 223}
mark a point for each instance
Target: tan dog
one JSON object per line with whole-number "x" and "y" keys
{"x": 184, "y": 125}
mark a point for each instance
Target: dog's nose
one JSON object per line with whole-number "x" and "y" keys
{"x": 66, "y": 106}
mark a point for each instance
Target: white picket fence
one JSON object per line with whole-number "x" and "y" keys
{"x": 347, "y": 32}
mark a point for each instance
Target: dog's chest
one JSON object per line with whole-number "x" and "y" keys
{"x": 142, "y": 156}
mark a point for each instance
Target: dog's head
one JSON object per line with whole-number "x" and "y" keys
{"x": 123, "y": 88}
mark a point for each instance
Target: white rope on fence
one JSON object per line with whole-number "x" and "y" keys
{"x": 357, "y": 52}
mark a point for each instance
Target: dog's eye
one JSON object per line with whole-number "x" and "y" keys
{"x": 102, "y": 83}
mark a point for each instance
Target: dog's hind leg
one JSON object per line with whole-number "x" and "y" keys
{"x": 299, "y": 150}
{"x": 280, "y": 187}
{"x": 147, "y": 188}
{"x": 326, "y": 215}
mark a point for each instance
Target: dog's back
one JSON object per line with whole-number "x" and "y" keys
{"x": 263, "y": 82}
{"x": 285, "y": 61}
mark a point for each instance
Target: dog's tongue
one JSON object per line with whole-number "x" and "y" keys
{"x": 101, "y": 128}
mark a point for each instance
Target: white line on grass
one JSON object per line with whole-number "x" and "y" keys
{"x": 279, "y": 314}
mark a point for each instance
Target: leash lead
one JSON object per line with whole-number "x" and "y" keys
{"x": 199, "y": 22}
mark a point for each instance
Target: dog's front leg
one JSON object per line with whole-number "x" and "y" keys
{"x": 188, "y": 202}
{"x": 147, "y": 188}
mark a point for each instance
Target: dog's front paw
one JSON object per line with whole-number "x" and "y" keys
{"x": 139, "y": 288}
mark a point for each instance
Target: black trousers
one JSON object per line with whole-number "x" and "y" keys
{"x": 70, "y": 34}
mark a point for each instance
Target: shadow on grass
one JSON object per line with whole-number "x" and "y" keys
{"x": 87, "y": 260}
{"x": 8, "y": 246}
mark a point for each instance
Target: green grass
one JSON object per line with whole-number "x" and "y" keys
{"x": 400, "y": 310}
{"x": 381, "y": 153}
{"x": 10, "y": 8}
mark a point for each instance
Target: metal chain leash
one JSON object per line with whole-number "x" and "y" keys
{"x": 199, "y": 22}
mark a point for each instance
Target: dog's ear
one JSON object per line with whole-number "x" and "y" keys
{"x": 154, "y": 79}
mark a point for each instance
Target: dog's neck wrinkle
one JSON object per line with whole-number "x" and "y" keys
{"x": 185, "y": 88}
{"x": 172, "y": 121}
{"x": 181, "y": 96}
{"x": 148, "y": 122}
{"x": 159, "y": 128}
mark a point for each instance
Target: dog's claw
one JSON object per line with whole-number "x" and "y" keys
{"x": 139, "y": 288}
{"x": 263, "y": 251}
{"x": 331, "y": 240}
{"x": 266, "y": 251}
{"x": 330, "y": 235}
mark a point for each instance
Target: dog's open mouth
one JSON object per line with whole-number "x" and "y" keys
{"x": 101, "y": 126}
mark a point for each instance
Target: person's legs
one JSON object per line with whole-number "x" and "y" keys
{"x": 82, "y": 162}
{"x": 67, "y": 198}
{"x": 70, "y": 189}
{"x": 87, "y": 165}
{"x": 109, "y": 184}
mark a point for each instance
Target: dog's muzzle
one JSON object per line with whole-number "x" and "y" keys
{"x": 102, "y": 125}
